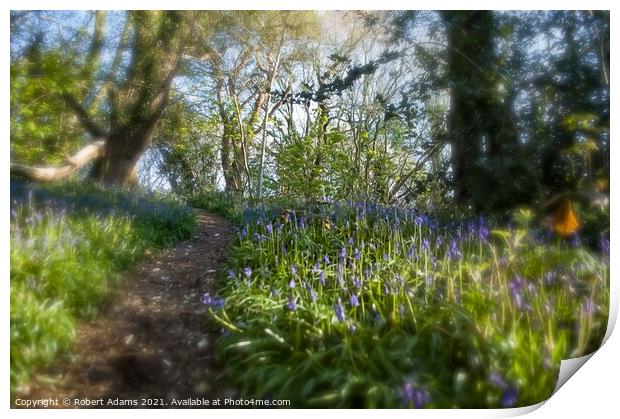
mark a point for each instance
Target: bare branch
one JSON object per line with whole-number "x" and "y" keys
{"x": 73, "y": 163}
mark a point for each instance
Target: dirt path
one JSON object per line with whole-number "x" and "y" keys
{"x": 153, "y": 340}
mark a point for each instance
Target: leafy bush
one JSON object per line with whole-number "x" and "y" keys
{"x": 354, "y": 306}
{"x": 68, "y": 243}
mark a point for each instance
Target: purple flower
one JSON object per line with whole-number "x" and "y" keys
{"x": 291, "y": 284}
{"x": 415, "y": 395}
{"x": 454, "y": 251}
{"x": 343, "y": 253}
{"x": 326, "y": 259}
{"x": 209, "y": 301}
{"x": 410, "y": 252}
{"x": 483, "y": 233}
{"x": 516, "y": 286}
{"x": 231, "y": 274}
{"x": 588, "y": 306}
{"x": 292, "y": 304}
{"x": 357, "y": 282}
{"x": 283, "y": 249}
{"x": 497, "y": 380}
{"x": 247, "y": 271}
{"x": 269, "y": 228}
{"x": 313, "y": 295}
{"x": 322, "y": 278}
{"x": 354, "y": 301}
{"x": 244, "y": 233}
{"x": 356, "y": 254}
{"x": 339, "y": 311}
{"x": 293, "y": 270}
{"x": 425, "y": 244}
{"x": 509, "y": 398}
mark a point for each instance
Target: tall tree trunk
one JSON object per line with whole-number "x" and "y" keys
{"x": 137, "y": 106}
{"x": 470, "y": 58}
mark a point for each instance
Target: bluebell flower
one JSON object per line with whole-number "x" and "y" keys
{"x": 414, "y": 395}
{"x": 291, "y": 284}
{"x": 354, "y": 301}
{"x": 231, "y": 274}
{"x": 350, "y": 241}
{"x": 497, "y": 380}
{"x": 247, "y": 271}
{"x": 425, "y": 244}
{"x": 293, "y": 270}
{"x": 339, "y": 310}
{"x": 356, "y": 254}
{"x": 283, "y": 249}
{"x": 410, "y": 252}
{"x": 322, "y": 278}
{"x": 269, "y": 228}
{"x": 588, "y": 306}
{"x": 313, "y": 295}
{"x": 510, "y": 397}
{"x": 326, "y": 259}
{"x": 292, "y": 304}
{"x": 516, "y": 286}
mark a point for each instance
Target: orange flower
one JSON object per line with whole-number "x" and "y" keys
{"x": 565, "y": 222}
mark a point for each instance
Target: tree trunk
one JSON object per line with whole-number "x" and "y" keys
{"x": 138, "y": 105}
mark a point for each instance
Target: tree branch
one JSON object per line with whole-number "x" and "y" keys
{"x": 73, "y": 163}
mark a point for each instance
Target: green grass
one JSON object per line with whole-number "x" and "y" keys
{"x": 69, "y": 244}
{"x": 362, "y": 306}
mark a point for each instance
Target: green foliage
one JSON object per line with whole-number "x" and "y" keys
{"x": 351, "y": 306}
{"x": 68, "y": 244}
{"x": 227, "y": 205}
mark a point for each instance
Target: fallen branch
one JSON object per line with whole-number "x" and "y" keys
{"x": 73, "y": 163}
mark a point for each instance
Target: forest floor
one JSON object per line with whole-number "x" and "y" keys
{"x": 152, "y": 340}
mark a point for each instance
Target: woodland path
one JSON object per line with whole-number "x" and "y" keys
{"x": 153, "y": 339}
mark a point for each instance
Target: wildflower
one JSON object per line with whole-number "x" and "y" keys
{"x": 269, "y": 228}
{"x": 339, "y": 310}
{"x": 425, "y": 244}
{"x": 247, "y": 271}
{"x": 410, "y": 252}
{"x": 357, "y": 282}
{"x": 356, "y": 254}
{"x": 292, "y": 304}
{"x": 483, "y": 233}
{"x": 343, "y": 253}
{"x": 293, "y": 270}
{"x": 291, "y": 284}
{"x": 209, "y": 301}
{"x": 454, "y": 251}
{"x": 322, "y": 278}
{"x": 588, "y": 307}
{"x": 604, "y": 246}
{"x": 509, "y": 398}
{"x": 415, "y": 395}
{"x": 326, "y": 259}
{"x": 515, "y": 286}
{"x": 313, "y": 295}
{"x": 354, "y": 301}
{"x": 231, "y": 274}
{"x": 497, "y": 380}
{"x": 350, "y": 241}
{"x": 283, "y": 249}
{"x": 244, "y": 233}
